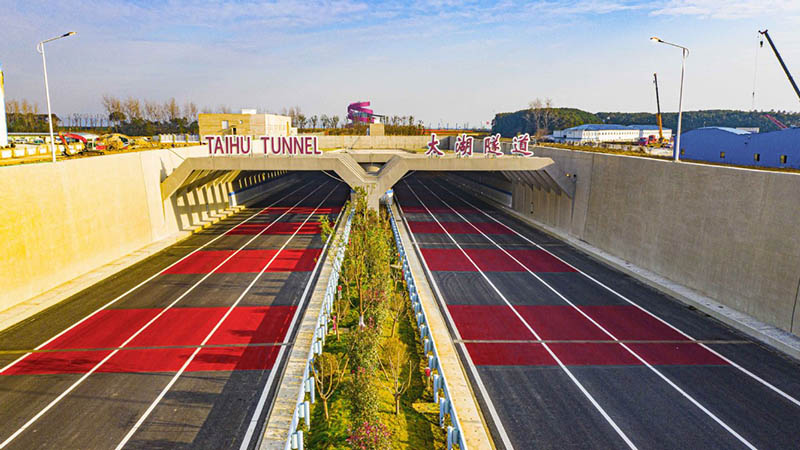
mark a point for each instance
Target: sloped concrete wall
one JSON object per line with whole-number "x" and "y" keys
{"x": 64, "y": 219}
{"x": 728, "y": 233}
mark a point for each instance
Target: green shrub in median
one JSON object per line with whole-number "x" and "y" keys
{"x": 384, "y": 400}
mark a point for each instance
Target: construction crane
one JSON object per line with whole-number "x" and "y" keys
{"x": 780, "y": 60}
{"x": 658, "y": 116}
{"x": 777, "y": 122}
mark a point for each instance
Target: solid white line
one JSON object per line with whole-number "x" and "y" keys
{"x": 531, "y": 330}
{"x": 443, "y": 307}
{"x": 189, "y": 360}
{"x": 137, "y": 287}
{"x": 214, "y": 330}
{"x": 140, "y": 330}
{"x": 262, "y": 399}
{"x": 603, "y": 329}
{"x": 598, "y": 282}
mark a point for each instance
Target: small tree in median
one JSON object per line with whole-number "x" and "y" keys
{"x": 328, "y": 374}
{"x": 397, "y": 306}
{"x": 394, "y": 356}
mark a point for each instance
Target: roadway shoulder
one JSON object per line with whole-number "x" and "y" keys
{"x": 476, "y": 432}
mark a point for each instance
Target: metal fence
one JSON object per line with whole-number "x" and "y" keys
{"x": 443, "y": 399}
{"x": 302, "y": 409}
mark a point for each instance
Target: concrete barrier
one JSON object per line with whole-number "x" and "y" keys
{"x": 728, "y": 233}
{"x": 62, "y": 220}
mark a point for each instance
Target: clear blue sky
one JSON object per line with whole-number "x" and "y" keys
{"x": 454, "y": 61}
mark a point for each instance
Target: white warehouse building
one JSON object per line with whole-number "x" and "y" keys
{"x": 608, "y": 133}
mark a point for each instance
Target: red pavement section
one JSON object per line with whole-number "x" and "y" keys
{"x": 447, "y": 259}
{"x": 302, "y": 210}
{"x": 102, "y": 330}
{"x": 593, "y": 354}
{"x": 254, "y": 324}
{"x": 150, "y": 360}
{"x": 678, "y": 354}
{"x": 492, "y": 260}
{"x": 176, "y": 327}
{"x": 458, "y": 227}
{"x": 290, "y": 227}
{"x": 522, "y": 354}
{"x": 235, "y": 358}
{"x": 437, "y": 209}
{"x": 291, "y": 260}
{"x": 200, "y": 262}
{"x": 540, "y": 261}
{"x": 561, "y": 322}
{"x": 248, "y": 261}
{"x": 631, "y": 323}
{"x": 248, "y": 228}
{"x": 57, "y": 362}
{"x": 493, "y": 322}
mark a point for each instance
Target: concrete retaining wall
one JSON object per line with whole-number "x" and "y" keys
{"x": 64, "y": 219}
{"x": 728, "y": 233}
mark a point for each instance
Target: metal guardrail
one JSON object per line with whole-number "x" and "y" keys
{"x": 454, "y": 434}
{"x": 302, "y": 410}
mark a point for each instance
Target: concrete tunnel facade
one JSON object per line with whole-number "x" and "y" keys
{"x": 349, "y": 165}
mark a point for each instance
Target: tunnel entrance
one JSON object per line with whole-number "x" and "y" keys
{"x": 374, "y": 170}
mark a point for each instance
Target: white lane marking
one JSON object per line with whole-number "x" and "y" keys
{"x": 262, "y": 399}
{"x": 140, "y": 330}
{"x": 443, "y": 307}
{"x": 66, "y": 330}
{"x": 603, "y": 329}
{"x": 653, "y": 315}
{"x": 531, "y": 330}
{"x": 189, "y": 360}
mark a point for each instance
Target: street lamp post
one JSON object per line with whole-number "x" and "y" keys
{"x": 40, "y": 49}
{"x": 684, "y": 53}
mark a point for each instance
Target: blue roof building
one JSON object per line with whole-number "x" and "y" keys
{"x": 780, "y": 149}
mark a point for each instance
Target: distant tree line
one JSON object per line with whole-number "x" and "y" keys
{"x": 136, "y": 117}
{"x": 707, "y": 118}
{"x": 23, "y": 116}
{"x": 542, "y": 118}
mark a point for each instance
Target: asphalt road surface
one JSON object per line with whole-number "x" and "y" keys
{"x": 564, "y": 352}
{"x": 181, "y": 350}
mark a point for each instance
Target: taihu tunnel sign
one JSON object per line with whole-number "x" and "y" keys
{"x": 309, "y": 145}
{"x": 270, "y": 145}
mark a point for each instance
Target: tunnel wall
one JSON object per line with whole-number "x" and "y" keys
{"x": 726, "y": 232}
{"x": 65, "y": 219}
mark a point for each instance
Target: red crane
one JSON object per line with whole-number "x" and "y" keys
{"x": 777, "y": 122}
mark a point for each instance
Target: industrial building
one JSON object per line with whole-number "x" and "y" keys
{"x": 596, "y": 133}
{"x": 733, "y": 146}
{"x": 248, "y": 123}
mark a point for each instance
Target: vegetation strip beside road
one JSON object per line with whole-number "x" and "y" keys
{"x": 371, "y": 386}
